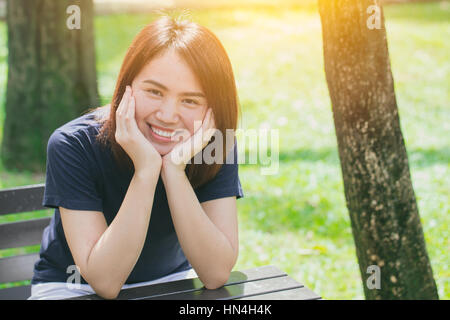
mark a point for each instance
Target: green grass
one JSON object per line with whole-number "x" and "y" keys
{"x": 297, "y": 219}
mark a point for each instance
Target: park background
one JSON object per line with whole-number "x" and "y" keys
{"x": 297, "y": 219}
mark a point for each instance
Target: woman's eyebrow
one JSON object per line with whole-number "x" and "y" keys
{"x": 156, "y": 84}
{"x": 190, "y": 94}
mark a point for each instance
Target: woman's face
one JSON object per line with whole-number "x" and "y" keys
{"x": 168, "y": 97}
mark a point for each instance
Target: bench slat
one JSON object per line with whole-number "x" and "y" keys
{"x": 22, "y": 233}
{"x": 236, "y": 291}
{"x": 292, "y": 294}
{"x": 188, "y": 285}
{"x": 16, "y": 293}
{"x": 17, "y": 268}
{"x": 22, "y": 199}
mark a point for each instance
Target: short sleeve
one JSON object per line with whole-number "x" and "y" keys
{"x": 70, "y": 181}
{"x": 225, "y": 184}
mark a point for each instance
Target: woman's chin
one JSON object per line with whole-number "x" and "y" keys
{"x": 163, "y": 150}
{"x": 163, "y": 153}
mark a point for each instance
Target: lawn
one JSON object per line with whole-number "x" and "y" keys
{"x": 297, "y": 219}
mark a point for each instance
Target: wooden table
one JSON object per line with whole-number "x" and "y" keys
{"x": 262, "y": 283}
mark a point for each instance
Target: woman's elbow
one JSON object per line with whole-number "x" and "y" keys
{"x": 110, "y": 295}
{"x": 217, "y": 282}
{"x": 107, "y": 293}
{"x": 105, "y": 288}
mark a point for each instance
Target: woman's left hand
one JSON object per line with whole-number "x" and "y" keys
{"x": 184, "y": 151}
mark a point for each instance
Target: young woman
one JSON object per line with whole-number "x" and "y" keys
{"x": 126, "y": 213}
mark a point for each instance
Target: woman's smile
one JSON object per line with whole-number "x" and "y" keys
{"x": 161, "y": 135}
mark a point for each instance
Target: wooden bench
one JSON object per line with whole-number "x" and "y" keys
{"x": 20, "y": 234}
{"x": 266, "y": 282}
{"x": 261, "y": 283}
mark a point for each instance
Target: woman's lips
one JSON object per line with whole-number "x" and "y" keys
{"x": 179, "y": 135}
{"x": 161, "y": 128}
{"x": 157, "y": 137}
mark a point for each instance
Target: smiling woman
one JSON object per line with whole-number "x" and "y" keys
{"x": 177, "y": 69}
{"x": 125, "y": 212}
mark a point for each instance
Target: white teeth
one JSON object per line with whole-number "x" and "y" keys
{"x": 162, "y": 133}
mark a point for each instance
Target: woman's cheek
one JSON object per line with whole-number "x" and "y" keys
{"x": 145, "y": 106}
{"x": 139, "y": 104}
{"x": 196, "y": 120}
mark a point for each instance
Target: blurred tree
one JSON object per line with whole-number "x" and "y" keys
{"x": 379, "y": 194}
{"x": 51, "y": 75}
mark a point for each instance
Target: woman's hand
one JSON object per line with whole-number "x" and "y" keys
{"x": 183, "y": 151}
{"x": 141, "y": 151}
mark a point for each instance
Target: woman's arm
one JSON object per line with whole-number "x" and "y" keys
{"x": 208, "y": 239}
{"x": 105, "y": 254}
{"x": 116, "y": 252}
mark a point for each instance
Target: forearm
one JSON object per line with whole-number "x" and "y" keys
{"x": 113, "y": 257}
{"x": 205, "y": 246}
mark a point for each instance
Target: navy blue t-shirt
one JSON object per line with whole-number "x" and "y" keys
{"x": 82, "y": 175}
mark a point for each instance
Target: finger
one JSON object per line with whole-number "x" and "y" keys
{"x": 205, "y": 125}
{"x": 211, "y": 122}
{"x": 209, "y": 127}
{"x": 123, "y": 102}
{"x": 208, "y": 115}
{"x": 198, "y": 127}
{"x": 202, "y": 139}
{"x": 130, "y": 120}
{"x": 120, "y": 112}
{"x": 195, "y": 143}
{"x": 132, "y": 106}
{"x": 122, "y": 105}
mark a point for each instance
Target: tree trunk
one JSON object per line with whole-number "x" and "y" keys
{"x": 379, "y": 194}
{"x": 51, "y": 75}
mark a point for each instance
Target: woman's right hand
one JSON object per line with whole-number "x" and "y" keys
{"x": 141, "y": 151}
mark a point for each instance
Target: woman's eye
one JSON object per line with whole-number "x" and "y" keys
{"x": 155, "y": 92}
{"x": 190, "y": 101}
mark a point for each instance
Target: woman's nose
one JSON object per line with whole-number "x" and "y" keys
{"x": 168, "y": 112}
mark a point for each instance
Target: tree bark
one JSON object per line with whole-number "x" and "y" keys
{"x": 51, "y": 76}
{"x": 379, "y": 194}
